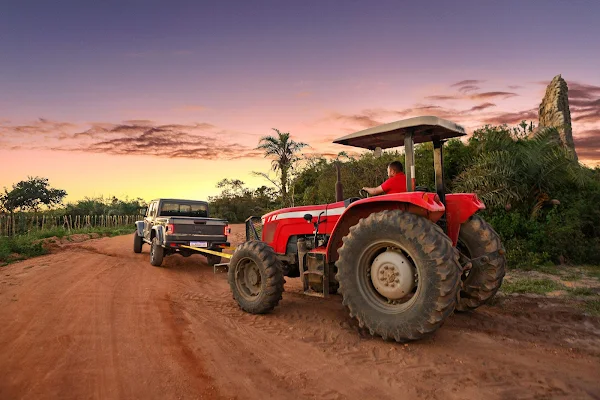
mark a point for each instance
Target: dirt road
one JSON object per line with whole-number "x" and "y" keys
{"x": 97, "y": 321}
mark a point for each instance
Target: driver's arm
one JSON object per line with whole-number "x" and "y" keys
{"x": 374, "y": 191}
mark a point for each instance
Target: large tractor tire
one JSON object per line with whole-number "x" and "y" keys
{"x": 476, "y": 240}
{"x": 157, "y": 253}
{"x": 398, "y": 275}
{"x": 138, "y": 242}
{"x": 255, "y": 277}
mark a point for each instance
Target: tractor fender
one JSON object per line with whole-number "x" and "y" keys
{"x": 427, "y": 205}
{"x": 459, "y": 208}
{"x": 158, "y": 231}
{"x": 139, "y": 228}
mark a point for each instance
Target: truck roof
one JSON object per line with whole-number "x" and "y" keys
{"x": 195, "y": 201}
{"x": 424, "y": 129}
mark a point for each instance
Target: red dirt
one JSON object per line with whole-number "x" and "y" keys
{"x": 98, "y": 321}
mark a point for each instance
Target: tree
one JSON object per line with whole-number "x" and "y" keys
{"x": 508, "y": 170}
{"x": 285, "y": 154}
{"x": 31, "y": 194}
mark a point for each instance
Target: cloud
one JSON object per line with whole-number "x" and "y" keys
{"x": 489, "y": 95}
{"x": 468, "y": 88}
{"x": 584, "y": 102}
{"x": 134, "y": 137}
{"x": 366, "y": 119}
{"x": 511, "y": 118}
{"x": 591, "y": 116}
{"x": 482, "y": 106}
{"x": 583, "y": 91}
{"x": 513, "y": 87}
{"x": 466, "y": 82}
{"x": 587, "y": 144}
{"x": 442, "y": 97}
{"x": 40, "y": 127}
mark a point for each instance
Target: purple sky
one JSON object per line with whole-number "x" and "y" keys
{"x": 117, "y": 83}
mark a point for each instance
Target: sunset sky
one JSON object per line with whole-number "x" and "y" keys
{"x": 164, "y": 99}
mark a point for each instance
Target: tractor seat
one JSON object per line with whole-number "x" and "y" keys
{"x": 351, "y": 200}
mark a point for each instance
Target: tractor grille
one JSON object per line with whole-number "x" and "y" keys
{"x": 254, "y": 228}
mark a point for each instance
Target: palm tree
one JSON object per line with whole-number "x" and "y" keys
{"x": 285, "y": 153}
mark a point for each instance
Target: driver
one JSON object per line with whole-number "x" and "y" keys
{"x": 396, "y": 183}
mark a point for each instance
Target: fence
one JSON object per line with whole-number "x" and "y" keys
{"x": 19, "y": 224}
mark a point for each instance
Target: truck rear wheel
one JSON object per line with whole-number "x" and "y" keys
{"x": 478, "y": 240}
{"x": 398, "y": 275}
{"x": 157, "y": 253}
{"x": 138, "y": 242}
{"x": 255, "y": 277}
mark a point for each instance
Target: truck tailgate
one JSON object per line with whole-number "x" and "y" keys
{"x": 194, "y": 226}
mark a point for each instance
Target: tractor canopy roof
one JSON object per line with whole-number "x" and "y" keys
{"x": 424, "y": 129}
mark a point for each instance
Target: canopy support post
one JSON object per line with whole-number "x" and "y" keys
{"x": 409, "y": 151}
{"x": 438, "y": 166}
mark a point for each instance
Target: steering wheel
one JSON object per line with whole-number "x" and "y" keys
{"x": 363, "y": 194}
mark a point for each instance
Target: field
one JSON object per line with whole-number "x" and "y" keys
{"x": 94, "y": 320}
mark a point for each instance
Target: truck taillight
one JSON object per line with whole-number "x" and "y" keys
{"x": 170, "y": 229}
{"x": 226, "y": 230}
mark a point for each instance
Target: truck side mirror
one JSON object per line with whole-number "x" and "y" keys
{"x": 308, "y": 218}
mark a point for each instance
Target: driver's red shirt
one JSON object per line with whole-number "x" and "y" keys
{"x": 395, "y": 184}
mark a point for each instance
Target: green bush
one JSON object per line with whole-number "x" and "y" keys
{"x": 22, "y": 246}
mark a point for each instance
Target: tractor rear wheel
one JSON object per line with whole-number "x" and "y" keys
{"x": 255, "y": 277}
{"x": 398, "y": 275}
{"x": 477, "y": 240}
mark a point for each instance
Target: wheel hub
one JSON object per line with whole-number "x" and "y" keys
{"x": 393, "y": 275}
{"x": 251, "y": 278}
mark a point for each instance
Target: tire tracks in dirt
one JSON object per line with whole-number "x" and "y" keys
{"x": 97, "y": 321}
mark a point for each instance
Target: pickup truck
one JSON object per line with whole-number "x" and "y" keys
{"x": 171, "y": 223}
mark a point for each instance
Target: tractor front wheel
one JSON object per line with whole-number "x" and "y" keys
{"x": 255, "y": 277}
{"x": 398, "y": 275}
{"x": 477, "y": 241}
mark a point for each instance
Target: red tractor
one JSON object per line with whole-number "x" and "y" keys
{"x": 401, "y": 262}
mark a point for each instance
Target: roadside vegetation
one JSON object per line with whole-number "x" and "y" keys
{"x": 20, "y": 247}
{"x": 32, "y": 211}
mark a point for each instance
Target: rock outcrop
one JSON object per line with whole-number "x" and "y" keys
{"x": 555, "y": 112}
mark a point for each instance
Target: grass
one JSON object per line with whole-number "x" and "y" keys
{"x": 592, "y": 271}
{"x": 528, "y": 285}
{"x": 581, "y": 291}
{"x": 22, "y": 247}
{"x": 546, "y": 269}
{"x": 592, "y": 307}
{"x": 572, "y": 277}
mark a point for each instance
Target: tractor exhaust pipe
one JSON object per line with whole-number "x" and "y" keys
{"x": 339, "y": 188}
